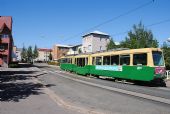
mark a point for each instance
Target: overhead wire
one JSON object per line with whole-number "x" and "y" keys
{"x": 153, "y": 24}
{"x": 112, "y": 19}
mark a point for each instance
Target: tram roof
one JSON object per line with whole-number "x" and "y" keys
{"x": 116, "y": 51}
{"x": 127, "y": 51}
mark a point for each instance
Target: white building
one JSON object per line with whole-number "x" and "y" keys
{"x": 18, "y": 54}
{"x": 95, "y": 41}
{"x": 43, "y": 54}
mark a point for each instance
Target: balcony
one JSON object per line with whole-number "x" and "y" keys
{"x": 3, "y": 51}
{"x": 5, "y": 40}
{"x": 1, "y": 61}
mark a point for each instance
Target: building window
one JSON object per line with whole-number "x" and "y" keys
{"x": 100, "y": 48}
{"x": 4, "y": 36}
{"x": 89, "y": 47}
{"x": 2, "y": 48}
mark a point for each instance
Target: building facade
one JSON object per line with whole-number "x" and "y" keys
{"x": 18, "y": 54}
{"x": 43, "y": 55}
{"x": 59, "y": 51}
{"x": 6, "y": 41}
{"x": 14, "y": 56}
{"x": 77, "y": 49}
{"x": 95, "y": 41}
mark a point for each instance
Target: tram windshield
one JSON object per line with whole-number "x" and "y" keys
{"x": 158, "y": 58}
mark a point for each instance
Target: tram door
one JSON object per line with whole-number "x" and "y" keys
{"x": 81, "y": 62}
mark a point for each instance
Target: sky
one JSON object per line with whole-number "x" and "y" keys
{"x": 48, "y": 22}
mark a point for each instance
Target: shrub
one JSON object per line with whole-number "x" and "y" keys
{"x": 13, "y": 65}
{"x": 54, "y": 63}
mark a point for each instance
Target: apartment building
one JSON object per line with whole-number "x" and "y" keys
{"x": 59, "y": 51}
{"x": 6, "y": 40}
{"x": 43, "y": 54}
{"x": 95, "y": 41}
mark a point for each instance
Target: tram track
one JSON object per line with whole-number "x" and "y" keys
{"x": 150, "y": 93}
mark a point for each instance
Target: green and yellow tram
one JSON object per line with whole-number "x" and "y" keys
{"x": 144, "y": 64}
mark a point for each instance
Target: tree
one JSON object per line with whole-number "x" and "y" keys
{"x": 50, "y": 57}
{"x": 139, "y": 37}
{"x": 24, "y": 54}
{"x": 166, "y": 51}
{"x": 35, "y": 52}
{"x": 30, "y": 54}
{"x": 111, "y": 45}
{"x": 79, "y": 50}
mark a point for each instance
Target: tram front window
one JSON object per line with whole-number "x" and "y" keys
{"x": 158, "y": 58}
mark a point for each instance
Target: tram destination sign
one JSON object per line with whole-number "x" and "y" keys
{"x": 108, "y": 67}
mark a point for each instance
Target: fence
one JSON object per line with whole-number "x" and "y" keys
{"x": 167, "y": 74}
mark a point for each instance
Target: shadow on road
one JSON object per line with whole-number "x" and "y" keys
{"x": 16, "y": 91}
{"x": 12, "y": 76}
{"x": 16, "y": 85}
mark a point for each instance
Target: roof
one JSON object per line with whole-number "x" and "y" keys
{"x": 96, "y": 32}
{"x": 77, "y": 45}
{"x": 61, "y": 45}
{"x": 44, "y": 49}
{"x": 7, "y": 20}
{"x": 19, "y": 49}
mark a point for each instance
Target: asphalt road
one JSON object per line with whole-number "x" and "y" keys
{"x": 86, "y": 98}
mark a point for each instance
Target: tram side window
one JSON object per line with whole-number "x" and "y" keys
{"x": 63, "y": 60}
{"x": 140, "y": 59}
{"x": 75, "y": 61}
{"x": 69, "y": 60}
{"x": 125, "y": 60}
{"x": 93, "y": 60}
{"x": 78, "y": 61}
{"x": 86, "y": 61}
{"x": 98, "y": 60}
{"x": 115, "y": 60}
{"x": 106, "y": 60}
{"x": 81, "y": 62}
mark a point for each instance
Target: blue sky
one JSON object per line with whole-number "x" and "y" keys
{"x": 49, "y": 22}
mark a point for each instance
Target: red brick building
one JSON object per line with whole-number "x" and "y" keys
{"x": 6, "y": 40}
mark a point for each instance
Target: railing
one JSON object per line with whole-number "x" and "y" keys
{"x": 167, "y": 74}
{"x": 5, "y": 40}
{"x": 4, "y": 52}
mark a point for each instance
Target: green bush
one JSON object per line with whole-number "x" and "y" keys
{"x": 54, "y": 63}
{"x": 13, "y": 65}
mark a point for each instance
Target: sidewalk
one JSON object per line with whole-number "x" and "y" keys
{"x": 168, "y": 83}
{"x": 21, "y": 94}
